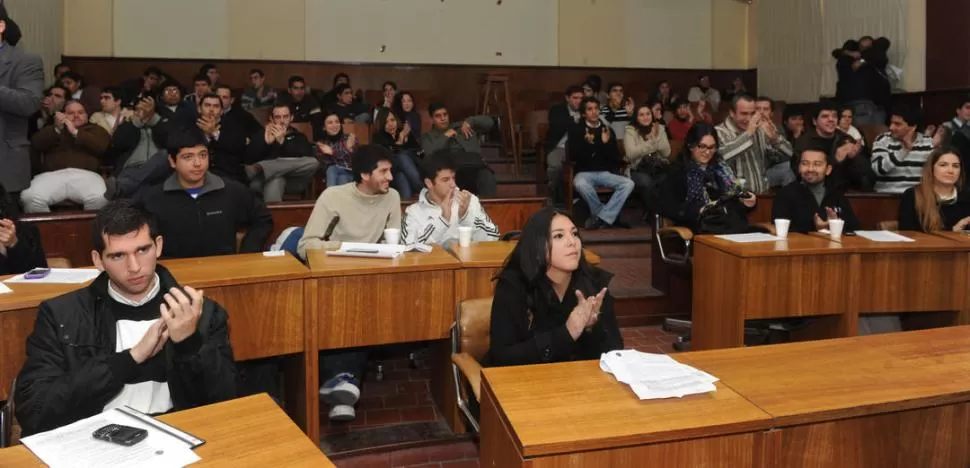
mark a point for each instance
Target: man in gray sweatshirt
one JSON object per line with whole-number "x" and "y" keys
{"x": 460, "y": 141}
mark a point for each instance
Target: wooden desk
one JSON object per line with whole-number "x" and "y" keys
{"x": 891, "y": 400}
{"x": 251, "y": 431}
{"x": 574, "y": 414}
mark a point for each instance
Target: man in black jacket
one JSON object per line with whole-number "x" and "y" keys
{"x": 809, "y": 204}
{"x": 279, "y": 154}
{"x": 133, "y": 337}
{"x": 199, "y": 212}
{"x": 562, "y": 115}
{"x": 850, "y": 163}
{"x": 225, "y": 138}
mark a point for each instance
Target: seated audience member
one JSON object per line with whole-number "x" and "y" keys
{"x": 330, "y": 97}
{"x": 136, "y": 337}
{"x": 550, "y": 304}
{"x": 665, "y": 95}
{"x": 845, "y": 125}
{"x": 657, "y": 109}
{"x": 647, "y": 155}
{"x": 593, "y": 87}
{"x": 405, "y": 108}
{"x": 226, "y": 138}
{"x": 72, "y": 151}
{"x": 88, "y": 96}
{"x": 147, "y": 85}
{"x": 53, "y": 102}
{"x": 258, "y": 95}
{"x": 212, "y": 71}
{"x": 112, "y": 114}
{"x": 850, "y": 166}
{"x": 348, "y": 110}
{"x": 898, "y": 155}
{"x": 278, "y": 155}
{"x": 779, "y": 163}
{"x": 737, "y": 88}
{"x": 704, "y": 92}
{"x": 562, "y": 115}
{"x": 389, "y": 93}
{"x": 958, "y": 126}
{"x": 442, "y": 208}
{"x": 794, "y": 123}
{"x": 334, "y": 150}
{"x": 596, "y": 160}
{"x": 198, "y": 212}
{"x": 460, "y": 140}
{"x": 701, "y": 191}
{"x": 136, "y": 142}
{"x": 232, "y": 112}
{"x": 809, "y": 204}
{"x": 939, "y": 202}
{"x": 357, "y": 212}
{"x": 20, "y": 244}
{"x": 746, "y": 138}
{"x": 60, "y": 69}
{"x": 170, "y": 102}
{"x": 682, "y": 121}
{"x": 618, "y": 111}
{"x": 305, "y": 108}
{"x": 390, "y": 134}
{"x": 201, "y": 85}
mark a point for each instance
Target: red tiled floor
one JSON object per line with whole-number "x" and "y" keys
{"x": 461, "y": 464}
{"x": 454, "y": 455}
{"x": 421, "y": 413}
{"x": 378, "y": 417}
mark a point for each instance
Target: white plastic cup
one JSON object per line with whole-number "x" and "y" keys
{"x": 392, "y": 236}
{"x": 835, "y": 228}
{"x": 781, "y": 227}
{"x": 465, "y": 236}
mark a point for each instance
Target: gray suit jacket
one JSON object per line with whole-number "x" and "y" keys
{"x": 21, "y": 89}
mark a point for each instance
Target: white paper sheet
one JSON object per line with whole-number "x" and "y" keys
{"x": 61, "y": 276}
{"x": 74, "y": 446}
{"x": 359, "y": 249}
{"x": 4, "y": 289}
{"x": 750, "y": 237}
{"x": 656, "y": 376}
{"x": 883, "y": 236}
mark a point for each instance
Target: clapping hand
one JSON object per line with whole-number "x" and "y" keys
{"x": 181, "y": 312}
{"x": 605, "y": 134}
{"x": 586, "y": 313}
{"x": 8, "y": 233}
{"x": 466, "y": 130}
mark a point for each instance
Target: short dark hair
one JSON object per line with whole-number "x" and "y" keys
{"x": 818, "y": 145}
{"x": 964, "y": 100}
{"x": 573, "y": 89}
{"x": 614, "y": 84}
{"x": 279, "y": 105}
{"x": 120, "y": 217}
{"x": 702, "y": 76}
{"x": 587, "y": 100}
{"x": 182, "y": 138}
{"x": 72, "y": 75}
{"x": 679, "y": 102}
{"x": 339, "y": 76}
{"x": 340, "y": 88}
{"x": 202, "y": 77}
{"x": 738, "y": 98}
{"x": 114, "y": 91}
{"x": 826, "y": 105}
{"x": 366, "y": 158}
{"x": 432, "y": 165}
{"x": 54, "y": 86}
{"x": 909, "y": 114}
{"x": 392, "y": 84}
{"x": 206, "y": 67}
{"x": 435, "y": 107}
{"x": 257, "y": 72}
{"x": 59, "y": 65}
{"x": 153, "y": 71}
{"x": 210, "y": 96}
{"x": 770, "y": 101}
{"x": 224, "y": 86}
{"x": 294, "y": 80}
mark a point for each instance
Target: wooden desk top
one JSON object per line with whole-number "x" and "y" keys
{"x": 493, "y": 254}
{"x": 252, "y": 431}
{"x": 575, "y": 406}
{"x": 924, "y": 243}
{"x": 815, "y": 381}
{"x": 795, "y": 245}
{"x": 28, "y": 296}
{"x": 323, "y": 265}
{"x": 962, "y": 237}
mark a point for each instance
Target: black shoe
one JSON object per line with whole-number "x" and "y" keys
{"x": 619, "y": 223}
{"x": 594, "y": 223}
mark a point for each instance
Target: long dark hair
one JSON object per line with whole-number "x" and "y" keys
{"x": 694, "y": 136}
{"x": 8, "y": 208}
{"x": 327, "y": 136}
{"x": 398, "y": 105}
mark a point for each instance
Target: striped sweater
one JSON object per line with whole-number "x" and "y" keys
{"x": 897, "y": 169}
{"x": 423, "y": 222}
{"x": 748, "y": 155}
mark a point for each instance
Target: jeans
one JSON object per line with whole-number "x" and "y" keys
{"x": 337, "y": 175}
{"x": 867, "y": 113}
{"x": 77, "y": 185}
{"x": 586, "y": 184}
{"x": 407, "y": 178}
{"x": 337, "y": 362}
{"x": 780, "y": 175}
{"x": 276, "y": 172}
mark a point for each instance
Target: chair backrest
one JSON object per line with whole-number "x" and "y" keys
{"x": 58, "y": 262}
{"x": 676, "y": 146}
{"x": 888, "y": 225}
{"x": 474, "y": 323}
{"x": 304, "y": 128}
{"x": 360, "y": 130}
{"x": 261, "y": 114}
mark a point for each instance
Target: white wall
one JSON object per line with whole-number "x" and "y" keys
{"x": 40, "y": 24}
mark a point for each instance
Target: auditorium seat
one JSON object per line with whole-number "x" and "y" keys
{"x": 469, "y": 343}
{"x": 58, "y": 262}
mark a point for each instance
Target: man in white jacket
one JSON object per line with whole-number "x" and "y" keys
{"x": 442, "y": 208}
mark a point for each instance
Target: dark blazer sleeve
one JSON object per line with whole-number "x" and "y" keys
{"x": 512, "y": 343}
{"x": 673, "y": 199}
{"x": 298, "y": 147}
{"x": 204, "y": 368}
{"x": 908, "y": 219}
{"x": 784, "y": 208}
{"x": 257, "y": 149}
{"x": 257, "y": 220}
{"x": 27, "y": 254}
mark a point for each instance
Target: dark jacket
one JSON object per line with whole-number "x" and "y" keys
{"x": 559, "y": 122}
{"x": 207, "y": 225}
{"x": 796, "y": 202}
{"x": 228, "y": 152}
{"x": 595, "y": 156}
{"x": 307, "y": 110}
{"x": 950, "y": 213}
{"x": 244, "y": 119}
{"x": 295, "y": 145}
{"x": 389, "y": 141}
{"x": 850, "y": 174}
{"x": 27, "y": 254}
{"x": 72, "y": 369}
{"x": 528, "y": 324}
{"x": 683, "y": 212}
{"x": 128, "y": 135}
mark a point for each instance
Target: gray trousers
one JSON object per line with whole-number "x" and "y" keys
{"x": 554, "y": 177}
{"x": 277, "y": 172}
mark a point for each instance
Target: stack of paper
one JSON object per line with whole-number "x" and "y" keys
{"x": 359, "y": 249}
{"x": 656, "y": 376}
{"x": 750, "y": 237}
{"x": 883, "y": 236}
{"x": 4, "y": 289}
{"x": 61, "y": 276}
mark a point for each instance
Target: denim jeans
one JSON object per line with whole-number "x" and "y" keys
{"x": 586, "y": 184}
{"x": 337, "y": 175}
{"x": 407, "y": 178}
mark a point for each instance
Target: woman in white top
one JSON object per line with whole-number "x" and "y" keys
{"x": 647, "y": 153}
{"x": 846, "y": 116}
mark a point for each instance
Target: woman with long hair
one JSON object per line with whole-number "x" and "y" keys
{"x": 701, "y": 191}
{"x": 405, "y": 108}
{"x": 550, "y": 304}
{"x": 20, "y": 245}
{"x": 647, "y": 153}
{"x": 938, "y": 202}
{"x": 335, "y": 150}
{"x": 389, "y": 134}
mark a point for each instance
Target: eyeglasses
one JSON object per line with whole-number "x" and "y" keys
{"x": 706, "y": 148}
{"x": 204, "y": 155}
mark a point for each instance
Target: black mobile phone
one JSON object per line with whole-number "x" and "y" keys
{"x": 121, "y": 435}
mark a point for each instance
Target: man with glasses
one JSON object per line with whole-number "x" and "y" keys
{"x": 278, "y": 156}
{"x": 809, "y": 204}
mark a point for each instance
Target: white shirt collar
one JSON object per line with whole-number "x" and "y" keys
{"x": 156, "y": 286}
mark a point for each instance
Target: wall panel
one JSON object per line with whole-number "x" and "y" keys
{"x": 271, "y": 30}
{"x": 88, "y": 28}
{"x": 171, "y": 28}
{"x": 40, "y": 26}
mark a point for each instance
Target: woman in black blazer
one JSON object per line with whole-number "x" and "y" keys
{"x": 938, "y": 202}
{"x": 20, "y": 247}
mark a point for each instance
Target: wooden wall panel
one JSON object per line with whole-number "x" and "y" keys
{"x": 947, "y": 44}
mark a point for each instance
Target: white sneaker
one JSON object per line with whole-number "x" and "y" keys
{"x": 340, "y": 390}
{"x": 342, "y": 413}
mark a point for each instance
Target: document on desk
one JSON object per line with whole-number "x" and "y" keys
{"x": 358, "y": 249}
{"x": 656, "y": 376}
{"x": 883, "y": 236}
{"x": 74, "y": 446}
{"x": 4, "y": 289}
{"x": 61, "y": 276}
{"x": 749, "y": 238}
